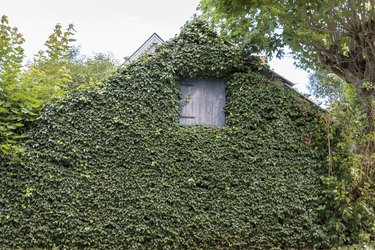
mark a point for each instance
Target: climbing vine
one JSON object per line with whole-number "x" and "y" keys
{"x": 111, "y": 168}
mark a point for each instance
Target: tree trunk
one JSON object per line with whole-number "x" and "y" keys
{"x": 368, "y": 148}
{"x": 367, "y": 97}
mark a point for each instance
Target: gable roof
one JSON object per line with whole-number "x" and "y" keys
{"x": 288, "y": 84}
{"x": 150, "y": 44}
{"x": 147, "y": 47}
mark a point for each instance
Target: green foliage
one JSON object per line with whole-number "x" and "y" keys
{"x": 326, "y": 87}
{"x": 330, "y": 36}
{"x": 324, "y": 35}
{"x": 357, "y": 247}
{"x": 111, "y": 168}
{"x": 247, "y": 24}
{"x": 350, "y": 219}
{"x": 89, "y": 72}
{"x": 53, "y": 72}
{"x": 311, "y": 28}
{"x": 351, "y": 214}
{"x": 48, "y": 76}
{"x": 24, "y": 91}
{"x": 14, "y": 107}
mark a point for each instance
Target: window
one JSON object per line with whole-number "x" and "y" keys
{"x": 203, "y": 102}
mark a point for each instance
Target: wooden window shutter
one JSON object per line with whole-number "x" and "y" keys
{"x": 203, "y": 102}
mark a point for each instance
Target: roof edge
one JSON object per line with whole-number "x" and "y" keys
{"x": 154, "y": 35}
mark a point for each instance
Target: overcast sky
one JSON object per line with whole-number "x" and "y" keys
{"x": 117, "y": 26}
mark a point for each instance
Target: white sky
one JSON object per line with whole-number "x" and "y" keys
{"x": 118, "y": 26}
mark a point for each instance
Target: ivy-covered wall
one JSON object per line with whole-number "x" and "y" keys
{"x": 111, "y": 169}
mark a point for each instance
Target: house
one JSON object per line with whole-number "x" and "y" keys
{"x": 148, "y": 47}
{"x": 204, "y": 100}
{"x": 194, "y": 147}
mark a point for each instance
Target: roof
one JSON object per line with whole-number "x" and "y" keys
{"x": 146, "y": 47}
{"x": 150, "y": 44}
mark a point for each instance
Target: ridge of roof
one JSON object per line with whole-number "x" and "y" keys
{"x": 145, "y": 46}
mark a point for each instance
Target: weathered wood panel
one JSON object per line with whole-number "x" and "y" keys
{"x": 203, "y": 102}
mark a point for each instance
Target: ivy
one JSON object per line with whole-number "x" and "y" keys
{"x": 111, "y": 168}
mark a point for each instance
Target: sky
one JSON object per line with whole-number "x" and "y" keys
{"x": 117, "y": 26}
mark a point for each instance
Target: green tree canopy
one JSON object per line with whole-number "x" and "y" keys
{"x": 334, "y": 35}
{"x": 327, "y": 87}
{"x": 52, "y": 72}
{"x": 90, "y": 71}
{"x": 15, "y": 107}
{"x": 331, "y": 36}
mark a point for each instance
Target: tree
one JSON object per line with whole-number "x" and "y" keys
{"x": 335, "y": 36}
{"x": 326, "y": 87}
{"x": 90, "y": 72}
{"x": 48, "y": 76}
{"x": 53, "y": 72}
{"x": 338, "y": 35}
{"x": 13, "y": 106}
{"x": 24, "y": 91}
